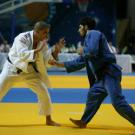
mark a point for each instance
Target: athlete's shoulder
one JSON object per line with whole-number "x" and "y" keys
{"x": 23, "y": 37}
{"x": 95, "y": 32}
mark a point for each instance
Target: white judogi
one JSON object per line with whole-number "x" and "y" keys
{"x": 20, "y": 55}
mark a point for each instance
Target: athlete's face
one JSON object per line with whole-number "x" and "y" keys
{"x": 43, "y": 34}
{"x": 82, "y": 30}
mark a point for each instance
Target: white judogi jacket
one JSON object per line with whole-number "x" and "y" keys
{"x": 22, "y": 53}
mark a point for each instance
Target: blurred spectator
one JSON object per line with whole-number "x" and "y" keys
{"x": 4, "y": 47}
{"x": 69, "y": 49}
{"x": 1, "y": 38}
{"x": 113, "y": 48}
{"x": 72, "y": 49}
{"x": 79, "y": 48}
{"x": 130, "y": 48}
{"x": 83, "y": 5}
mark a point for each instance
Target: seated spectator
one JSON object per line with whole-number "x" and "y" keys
{"x": 79, "y": 48}
{"x": 4, "y": 47}
{"x": 113, "y": 48}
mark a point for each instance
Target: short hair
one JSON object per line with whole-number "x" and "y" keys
{"x": 90, "y": 22}
{"x": 41, "y": 25}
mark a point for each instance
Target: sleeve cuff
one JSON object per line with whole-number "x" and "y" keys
{"x": 31, "y": 57}
{"x": 66, "y": 65}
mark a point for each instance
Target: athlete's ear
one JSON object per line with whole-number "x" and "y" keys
{"x": 86, "y": 27}
{"x": 37, "y": 31}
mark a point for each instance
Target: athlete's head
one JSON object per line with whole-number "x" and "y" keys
{"x": 86, "y": 23}
{"x": 41, "y": 30}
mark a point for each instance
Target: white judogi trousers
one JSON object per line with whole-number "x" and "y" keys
{"x": 33, "y": 81}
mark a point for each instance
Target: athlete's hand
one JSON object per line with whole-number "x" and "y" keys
{"x": 58, "y": 46}
{"x": 40, "y": 48}
{"x": 55, "y": 63}
{"x": 52, "y": 62}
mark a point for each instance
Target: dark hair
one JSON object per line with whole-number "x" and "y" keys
{"x": 41, "y": 25}
{"x": 91, "y": 23}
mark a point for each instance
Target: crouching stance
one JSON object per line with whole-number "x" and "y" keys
{"x": 27, "y": 62}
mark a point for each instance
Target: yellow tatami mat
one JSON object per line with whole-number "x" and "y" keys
{"x": 128, "y": 82}
{"x": 23, "y": 119}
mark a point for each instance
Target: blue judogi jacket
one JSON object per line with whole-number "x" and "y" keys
{"x": 97, "y": 58}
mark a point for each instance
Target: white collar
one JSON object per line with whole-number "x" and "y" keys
{"x": 31, "y": 36}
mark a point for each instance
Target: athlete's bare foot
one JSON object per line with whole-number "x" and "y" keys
{"x": 78, "y": 123}
{"x": 50, "y": 122}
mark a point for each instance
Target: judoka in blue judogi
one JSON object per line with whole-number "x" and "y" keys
{"x": 103, "y": 73}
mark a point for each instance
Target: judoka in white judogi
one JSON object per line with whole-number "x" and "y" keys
{"x": 20, "y": 58}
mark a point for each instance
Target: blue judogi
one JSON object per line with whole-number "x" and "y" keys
{"x": 104, "y": 76}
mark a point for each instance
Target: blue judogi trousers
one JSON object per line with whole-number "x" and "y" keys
{"x": 111, "y": 86}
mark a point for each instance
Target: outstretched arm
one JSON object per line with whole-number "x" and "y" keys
{"x": 71, "y": 66}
